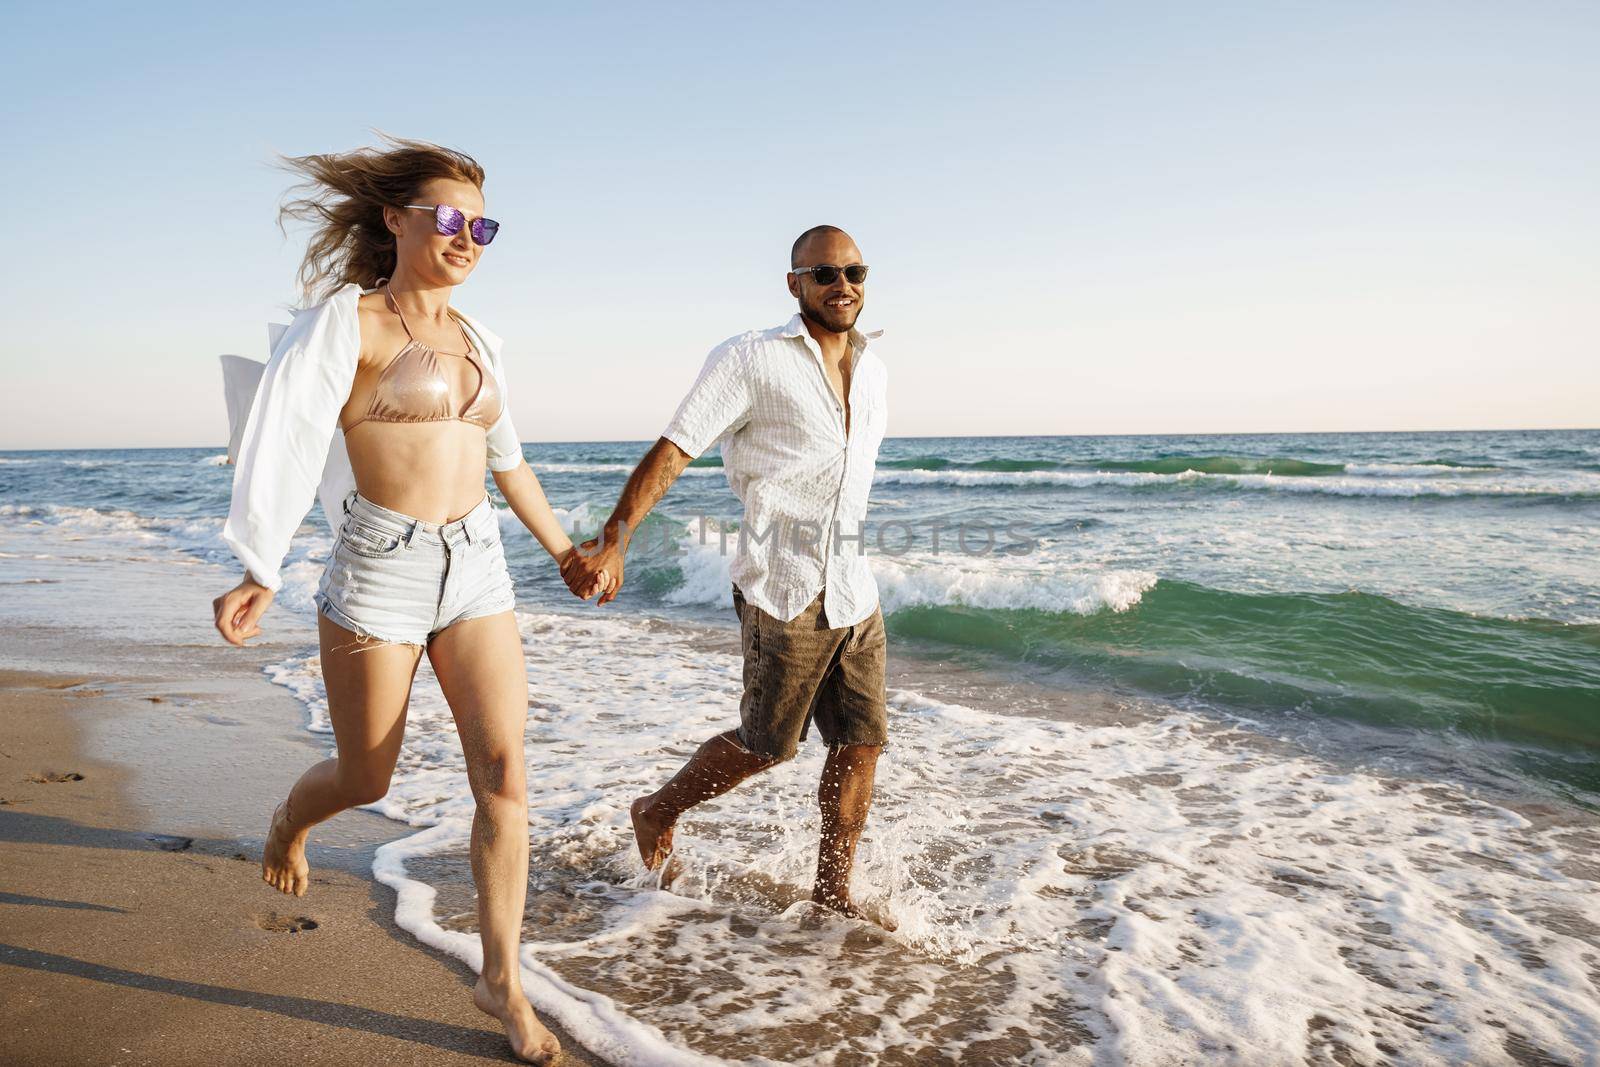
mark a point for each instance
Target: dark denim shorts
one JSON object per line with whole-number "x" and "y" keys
{"x": 396, "y": 578}
{"x": 801, "y": 670}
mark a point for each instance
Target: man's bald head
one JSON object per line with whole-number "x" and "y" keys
{"x": 826, "y": 234}
{"x": 833, "y": 305}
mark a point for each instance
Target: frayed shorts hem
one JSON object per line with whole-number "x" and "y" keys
{"x": 363, "y": 633}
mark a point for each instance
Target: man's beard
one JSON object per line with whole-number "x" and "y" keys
{"x": 834, "y": 320}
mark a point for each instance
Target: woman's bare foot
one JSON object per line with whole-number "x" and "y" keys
{"x": 530, "y": 1041}
{"x": 283, "y": 857}
{"x": 655, "y": 841}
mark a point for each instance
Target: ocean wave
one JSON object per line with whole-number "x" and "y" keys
{"x": 583, "y": 518}
{"x": 612, "y": 468}
{"x": 937, "y": 463}
{"x": 701, "y": 576}
{"x": 196, "y": 538}
{"x": 301, "y": 578}
{"x": 1275, "y": 466}
{"x": 1350, "y": 655}
{"x": 215, "y": 461}
{"x": 1416, "y": 470}
{"x": 1348, "y": 486}
{"x": 703, "y": 566}
{"x": 903, "y": 586}
{"x": 1280, "y": 466}
{"x": 117, "y": 521}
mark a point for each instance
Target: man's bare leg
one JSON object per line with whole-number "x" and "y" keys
{"x": 845, "y": 797}
{"x": 716, "y": 767}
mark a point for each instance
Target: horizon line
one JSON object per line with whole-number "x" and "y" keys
{"x": 922, "y": 437}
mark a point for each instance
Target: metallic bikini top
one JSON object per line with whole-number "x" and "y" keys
{"x": 412, "y": 388}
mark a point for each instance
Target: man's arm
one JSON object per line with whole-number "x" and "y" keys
{"x": 646, "y": 486}
{"x": 719, "y": 403}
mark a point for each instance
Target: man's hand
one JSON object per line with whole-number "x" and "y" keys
{"x": 601, "y": 559}
{"x": 239, "y": 609}
{"x": 583, "y": 581}
{"x": 593, "y": 568}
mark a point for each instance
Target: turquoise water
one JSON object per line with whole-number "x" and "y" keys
{"x": 1427, "y": 583}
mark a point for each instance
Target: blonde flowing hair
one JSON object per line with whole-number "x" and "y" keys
{"x": 343, "y": 195}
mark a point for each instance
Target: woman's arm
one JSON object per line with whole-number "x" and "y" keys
{"x": 520, "y": 486}
{"x": 282, "y": 453}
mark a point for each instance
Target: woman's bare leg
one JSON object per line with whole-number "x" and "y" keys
{"x": 485, "y": 680}
{"x": 369, "y": 689}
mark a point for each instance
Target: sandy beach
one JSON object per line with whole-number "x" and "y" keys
{"x": 132, "y": 933}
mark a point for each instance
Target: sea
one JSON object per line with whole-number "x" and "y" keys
{"x": 1256, "y": 749}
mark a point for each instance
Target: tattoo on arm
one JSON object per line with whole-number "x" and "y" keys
{"x": 648, "y": 483}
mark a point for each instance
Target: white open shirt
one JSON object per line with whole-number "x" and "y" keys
{"x": 292, "y": 451}
{"x": 766, "y": 395}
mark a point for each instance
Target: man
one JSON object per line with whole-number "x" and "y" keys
{"x": 800, "y": 410}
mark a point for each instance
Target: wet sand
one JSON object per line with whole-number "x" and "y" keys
{"x": 134, "y": 927}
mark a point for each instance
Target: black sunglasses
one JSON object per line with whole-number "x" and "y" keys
{"x": 827, "y": 273}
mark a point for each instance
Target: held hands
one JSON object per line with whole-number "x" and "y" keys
{"x": 594, "y": 567}
{"x": 239, "y": 609}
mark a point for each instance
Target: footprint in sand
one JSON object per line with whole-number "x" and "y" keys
{"x": 281, "y": 924}
{"x": 54, "y": 776}
{"x": 170, "y": 842}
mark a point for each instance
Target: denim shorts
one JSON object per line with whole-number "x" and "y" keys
{"x": 395, "y": 578}
{"x": 804, "y": 670}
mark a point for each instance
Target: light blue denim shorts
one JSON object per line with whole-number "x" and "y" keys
{"x": 395, "y": 578}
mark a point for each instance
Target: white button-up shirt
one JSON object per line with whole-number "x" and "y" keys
{"x": 292, "y": 451}
{"x": 802, "y": 479}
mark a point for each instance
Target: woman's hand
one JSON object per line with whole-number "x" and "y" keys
{"x": 239, "y": 609}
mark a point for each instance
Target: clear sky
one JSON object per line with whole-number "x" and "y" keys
{"x": 1081, "y": 218}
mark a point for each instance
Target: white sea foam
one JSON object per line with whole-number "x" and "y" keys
{"x": 1001, "y": 582}
{"x": 118, "y": 531}
{"x": 585, "y": 518}
{"x": 607, "y": 468}
{"x": 1414, "y": 470}
{"x": 300, "y": 580}
{"x": 117, "y": 521}
{"x": 1162, "y": 889}
{"x": 979, "y": 581}
{"x": 704, "y": 563}
{"x": 1346, "y": 485}
{"x": 215, "y": 461}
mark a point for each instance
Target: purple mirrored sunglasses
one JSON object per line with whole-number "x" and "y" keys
{"x": 449, "y": 220}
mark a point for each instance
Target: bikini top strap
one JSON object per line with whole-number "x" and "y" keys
{"x": 395, "y": 307}
{"x": 388, "y": 298}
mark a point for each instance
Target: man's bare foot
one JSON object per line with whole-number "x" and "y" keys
{"x": 842, "y": 904}
{"x": 655, "y": 841}
{"x": 530, "y": 1041}
{"x": 283, "y": 857}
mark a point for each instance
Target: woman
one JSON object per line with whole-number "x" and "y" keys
{"x": 399, "y": 402}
